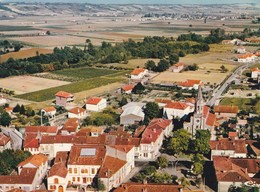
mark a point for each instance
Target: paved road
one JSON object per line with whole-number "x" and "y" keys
{"x": 218, "y": 92}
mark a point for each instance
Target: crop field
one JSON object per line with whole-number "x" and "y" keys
{"x": 209, "y": 66}
{"x": 242, "y": 103}
{"x": 15, "y": 28}
{"x": 84, "y": 73}
{"x": 27, "y": 84}
{"x": 76, "y": 87}
{"x": 25, "y": 53}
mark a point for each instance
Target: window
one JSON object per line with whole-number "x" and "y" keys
{"x": 84, "y": 180}
{"x": 78, "y": 179}
{"x": 145, "y": 154}
{"x": 54, "y": 187}
{"x": 73, "y": 179}
{"x": 70, "y": 170}
{"x": 75, "y": 170}
{"x": 56, "y": 181}
{"x": 93, "y": 171}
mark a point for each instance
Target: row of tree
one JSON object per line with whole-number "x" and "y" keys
{"x": 150, "y": 47}
{"x": 6, "y": 45}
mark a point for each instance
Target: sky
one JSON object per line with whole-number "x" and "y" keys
{"x": 143, "y": 1}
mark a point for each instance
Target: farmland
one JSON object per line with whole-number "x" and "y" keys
{"x": 83, "y": 73}
{"x": 76, "y": 87}
{"x": 25, "y": 53}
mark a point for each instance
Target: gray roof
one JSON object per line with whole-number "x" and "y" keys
{"x": 133, "y": 110}
{"x": 133, "y": 104}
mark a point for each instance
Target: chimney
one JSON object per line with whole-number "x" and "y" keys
{"x": 144, "y": 189}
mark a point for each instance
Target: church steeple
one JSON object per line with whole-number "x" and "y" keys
{"x": 199, "y": 102}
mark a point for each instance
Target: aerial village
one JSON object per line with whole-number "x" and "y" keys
{"x": 143, "y": 137}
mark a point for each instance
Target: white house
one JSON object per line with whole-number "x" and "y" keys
{"x": 77, "y": 112}
{"x": 255, "y": 72}
{"x": 5, "y": 142}
{"x": 3, "y": 101}
{"x": 138, "y": 73}
{"x": 30, "y": 174}
{"x": 241, "y": 50}
{"x": 96, "y": 104}
{"x": 177, "y": 68}
{"x": 177, "y": 109}
{"x": 131, "y": 115}
{"x": 127, "y": 89}
{"x": 190, "y": 84}
{"x": 49, "y": 111}
{"x": 246, "y": 58}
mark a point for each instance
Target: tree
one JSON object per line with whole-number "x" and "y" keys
{"x": 123, "y": 102}
{"x": 198, "y": 158}
{"x": 223, "y": 69}
{"x": 162, "y": 162}
{"x": 5, "y": 119}
{"x": 48, "y": 32}
{"x": 151, "y": 110}
{"x": 202, "y": 141}
{"x": 161, "y": 178}
{"x": 184, "y": 181}
{"x": 149, "y": 170}
{"x": 17, "y": 47}
{"x": 162, "y": 65}
{"x": 22, "y": 110}
{"x": 100, "y": 185}
{"x": 138, "y": 89}
{"x": 150, "y": 65}
{"x": 179, "y": 142}
{"x": 17, "y": 109}
{"x": 197, "y": 168}
{"x": 173, "y": 58}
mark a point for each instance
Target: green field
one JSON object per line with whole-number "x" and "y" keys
{"x": 84, "y": 85}
{"x": 16, "y": 28}
{"x": 85, "y": 73}
{"x": 243, "y": 104}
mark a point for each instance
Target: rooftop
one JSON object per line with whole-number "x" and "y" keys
{"x": 93, "y": 100}
{"x": 64, "y": 94}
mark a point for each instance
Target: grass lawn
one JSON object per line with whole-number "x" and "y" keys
{"x": 76, "y": 87}
{"x": 242, "y": 103}
{"x": 85, "y": 73}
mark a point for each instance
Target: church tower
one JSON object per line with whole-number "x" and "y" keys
{"x": 197, "y": 121}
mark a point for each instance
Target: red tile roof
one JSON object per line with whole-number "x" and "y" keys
{"x": 138, "y": 187}
{"x": 64, "y": 94}
{"x": 244, "y": 56}
{"x": 128, "y": 87}
{"x": 255, "y": 70}
{"x": 30, "y": 141}
{"x": 226, "y": 171}
{"x": 93, "y": 100}
{"x": 36, "y": 160}
{"x": 190, "y": 83}
{"x": 252, "y": 165}
{"x": 177, "y": 105}
{"x": 41, "y": 129}
{"x": 4, "y": 139}
{"x": 26, "y": 177}
{"x": 76, "y": 159}
{"x": 110, "y": 166}
{"x": 232, "y": 134}
{"x": 9, "y": 109}
{"x": 71, "y": 125}
{"x": 190, "y": 100}
{"x": 59, "y": 169}
{"x": 159, "y": 123}
{"x": 49, "y": 109}
{"x": 179, "y": 65}
{"x": 123, "y": 148}
{"x": 151, "y": 135}
{"x": 226, "y": 109}
{"x": 137, "y": 71}
{"x": 77, "y": 110}
{"x": 239, "y": 146}
{"x": 61, "y": 156}
{"x": 163, "y": 101}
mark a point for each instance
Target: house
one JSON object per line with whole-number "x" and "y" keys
{"x": 241, "y": 50}
{"x": 3, "y": 101}
{"x": 133, "y": 104}
{"x": 233, "y": 42}
{"x": 234, "y": 172}
{"x": 131, "y": 115}
{"x": 71, "y": 126}
{"x": 246, "y": 58}
{"x": 226, "y": 110}
{"x": 9, "y": 110}
{"x": 190, "y": 84}
{"x": 177, "y": 68}
{"x": 96, "y": 104}
{"x": 162, "y": 102}
{"x": 255, "y": 73}
{"x": 92, "y": 131}
{"x": 64, "y": 99}
{"x": 150, "y": 144}
{"x": 138, "y": 73}
{"x": 57, "y": 177}
{"x": 5, "y": 142}
{"x": 253, "y": 39}
{"x": 127, "y": 89}
{"x": 77, "y": 112}
{"x": 230, "y": 148}
{"x": 139, "y": 187}
{"x": 49, "y": 112}
{"x": 176, "y": 110}
{"x": 30, "y": 174}
{"x": 164, "y": 124}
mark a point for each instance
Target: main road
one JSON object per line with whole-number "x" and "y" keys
{"x": 218, "y": 92}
